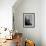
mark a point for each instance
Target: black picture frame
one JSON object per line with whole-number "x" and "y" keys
{"x": 29, "y": 20}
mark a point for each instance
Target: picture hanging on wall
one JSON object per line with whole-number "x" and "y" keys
{"x": 29, "y": 20}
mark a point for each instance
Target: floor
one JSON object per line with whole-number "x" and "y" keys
{"x": 12, "y": 42}
{"x": 9, "y": 43}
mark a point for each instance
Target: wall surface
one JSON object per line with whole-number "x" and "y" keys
{"x": 6, "y": 13}
{"x": 28, "y": 6}
{"x": 43, "y": 22}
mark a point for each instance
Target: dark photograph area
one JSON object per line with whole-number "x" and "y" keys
{"x": 27, "y": 20}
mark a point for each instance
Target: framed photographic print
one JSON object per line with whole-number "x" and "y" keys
{"x": 29, "y": 20}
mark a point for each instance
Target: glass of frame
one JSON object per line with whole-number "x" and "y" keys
{"x": 29, "y": 20}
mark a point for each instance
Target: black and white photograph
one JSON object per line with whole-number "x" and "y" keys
{"x": 29, "y": 20}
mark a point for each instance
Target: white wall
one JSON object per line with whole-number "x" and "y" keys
{"x": 6, "y": 13}
{"x": 43, "y": 22}
{"x": 28, "y": 6}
